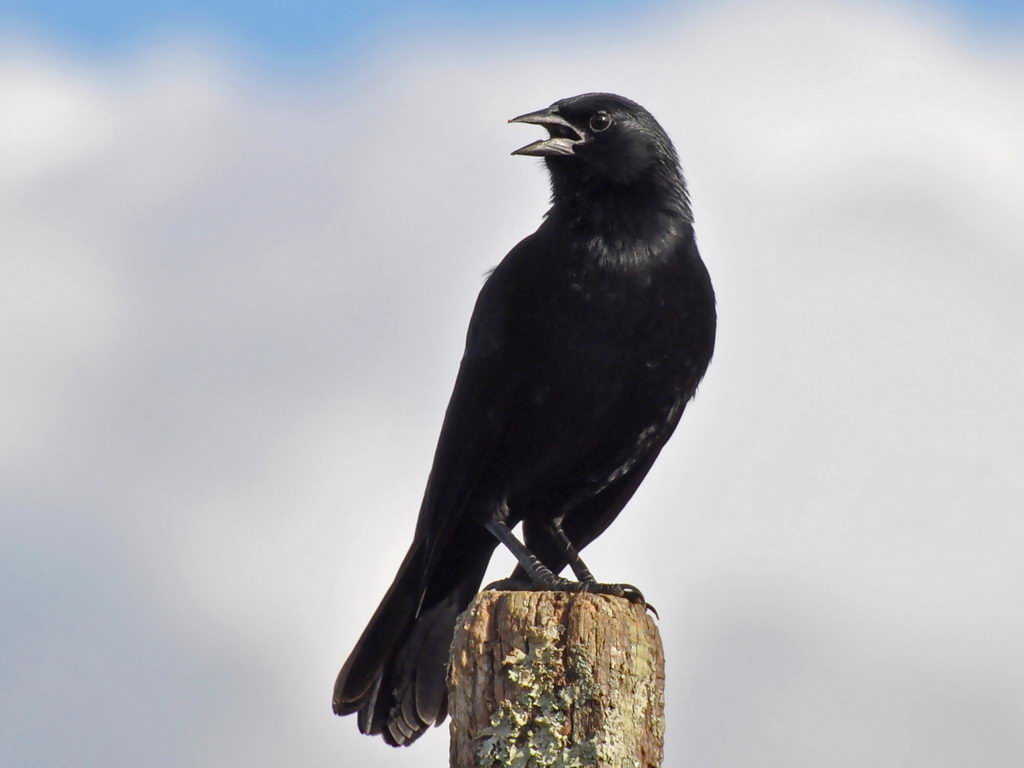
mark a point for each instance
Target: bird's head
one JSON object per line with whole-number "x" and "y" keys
{"x": 599, "y": 135}
{"x": 602, "y": 146}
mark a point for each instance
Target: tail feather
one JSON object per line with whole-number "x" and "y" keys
{"x": 396, "y": 677}
{"x": 431, "y": 697}
{"x": 420, "y": 668}
{"x": 359, "y": 681}
{"x": 365, "y": 718}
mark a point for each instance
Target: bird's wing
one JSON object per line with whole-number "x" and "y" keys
{"x": 485, "y": 399}
{"x": 400, "y": 691}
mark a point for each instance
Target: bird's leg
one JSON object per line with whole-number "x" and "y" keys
{"x": 541, "y": 576}
{"x": 544, "y": 579}
{"x": 583, "y": 573}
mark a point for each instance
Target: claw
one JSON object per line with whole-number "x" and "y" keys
{"x": 631, "y": 593}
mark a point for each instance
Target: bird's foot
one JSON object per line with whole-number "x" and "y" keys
{"x": 559, "y": 584}
{"x": 627, "y": 591}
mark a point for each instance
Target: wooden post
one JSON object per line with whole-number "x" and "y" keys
{"x": 556, "y": 680}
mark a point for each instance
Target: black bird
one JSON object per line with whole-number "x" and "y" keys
{"x": 585, "y": 345}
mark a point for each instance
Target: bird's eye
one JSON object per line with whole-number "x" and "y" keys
{"x": 600, "y": 121}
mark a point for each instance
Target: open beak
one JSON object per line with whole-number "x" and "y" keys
{"x": 563, "y": 136}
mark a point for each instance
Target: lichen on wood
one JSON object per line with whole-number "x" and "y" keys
{"x": 556, "y": 680}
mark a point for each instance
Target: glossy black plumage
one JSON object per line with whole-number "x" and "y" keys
{"x": 585, "y": 345}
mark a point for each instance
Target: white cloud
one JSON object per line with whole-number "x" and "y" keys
{"x": 235, "y": 309}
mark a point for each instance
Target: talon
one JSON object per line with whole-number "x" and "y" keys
{"x": 632, "y": 594}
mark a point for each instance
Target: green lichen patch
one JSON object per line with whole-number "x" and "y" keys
{"x": 530, "y": 728}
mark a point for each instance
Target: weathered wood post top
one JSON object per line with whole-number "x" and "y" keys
{"x": 556, "y": 680}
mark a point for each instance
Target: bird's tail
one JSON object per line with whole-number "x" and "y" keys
{"x": 395, "y": 677}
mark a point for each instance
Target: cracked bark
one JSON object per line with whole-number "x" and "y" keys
{"x": 556, "y": 680}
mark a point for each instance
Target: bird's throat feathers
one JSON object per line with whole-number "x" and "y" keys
{"x": 652, "y": 208}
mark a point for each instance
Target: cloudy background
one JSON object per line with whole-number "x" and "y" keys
{"x": 239, "y": 250}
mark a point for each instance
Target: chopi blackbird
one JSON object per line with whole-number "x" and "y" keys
{"x": 585, "y": 345}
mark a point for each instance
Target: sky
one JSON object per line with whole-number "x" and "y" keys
{"x": 238, "y": 260}
{"x": 316, "y": 32}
